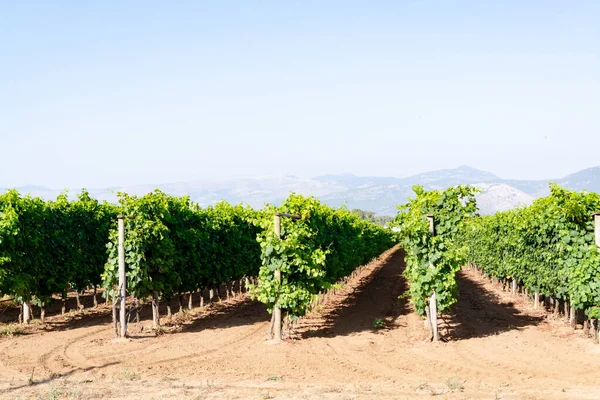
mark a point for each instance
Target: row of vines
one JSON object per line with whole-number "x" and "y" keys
{"x": 312, "y": 253}
{"x": 174, "y": 247}
{"x": 547, "y": 249}
{"x": 47, "y": 248}
{"x": 430, "y": 227}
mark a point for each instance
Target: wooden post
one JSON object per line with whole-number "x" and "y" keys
{"x": 514, "y": 287}
{"x": 276, "y": 317}
{"x": 597, "y": 227}
{"x": 431, "y": 224}
{"x": 433, "y": 298}
{"x": 433, "y": 311}
{"x": 122, "y": 279}
{"x": 277, "y": 310}
{"x": 597, "y": 240}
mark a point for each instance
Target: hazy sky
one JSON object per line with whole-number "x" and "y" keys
{"x": 98, "y": 94}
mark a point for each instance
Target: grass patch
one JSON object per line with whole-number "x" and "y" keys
{"x": 426, "y": 387}
{"x": 53, "y": 394}
{"x": 10, "y": 330}
{"x": 127, "y": 375}
{"x": 378, "y": 323}
{"x": 455, "y": 385}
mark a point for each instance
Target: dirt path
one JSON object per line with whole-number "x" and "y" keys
{"x": 498, "y": 347}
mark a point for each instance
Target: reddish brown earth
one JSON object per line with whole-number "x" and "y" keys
{"x": 497, "y": 347}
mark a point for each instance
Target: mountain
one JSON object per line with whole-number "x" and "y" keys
{"x": 587, "y": 179}
{"x": 495, "y": 197}
{"x": 378, "y": 194}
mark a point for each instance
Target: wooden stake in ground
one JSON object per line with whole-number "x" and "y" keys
{"x": 122, "y": 280}
{"x": 277, "y": 310}
{"x": 597, "y": 240}
{"x": 597, "y": 228}
{"x": 433, "y": 298}
{"x": 277, "y": 323}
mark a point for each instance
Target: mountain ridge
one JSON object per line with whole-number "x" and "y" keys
{"x": 380, "y": 194}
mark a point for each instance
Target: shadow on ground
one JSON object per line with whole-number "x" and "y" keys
{"x": 480, "y": 312}
{"x": 218, "y": 314}
{"x": 375, "y": 298}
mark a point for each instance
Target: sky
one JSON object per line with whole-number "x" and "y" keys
{"x": 98, "y": 94}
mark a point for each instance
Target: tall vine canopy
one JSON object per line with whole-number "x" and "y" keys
{"x": 174, "y": 246}
{"x": 432, "y": 261}
{"x": 548, "y": 247}
{"x": 314, "y": 252}
{"x": 47, "y": 247}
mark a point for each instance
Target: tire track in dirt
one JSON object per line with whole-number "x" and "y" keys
{"x": 222, "y": 347}
{"x": 152, "y": 346}
{"x": 56, "y": 360}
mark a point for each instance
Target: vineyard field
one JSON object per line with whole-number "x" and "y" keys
{"x": 501, "y": 348}
{"x": 440, "y": 306}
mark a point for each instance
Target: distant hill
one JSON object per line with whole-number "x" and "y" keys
{"x": 378, "y": 194}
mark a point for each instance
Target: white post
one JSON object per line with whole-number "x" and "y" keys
{"x": 597, "y": 227}
{"x": 277, "y": 310}
{"x": 433, "y": 298}
{"x": 597, "y": 236}
{"x": 27, "y": 314}
{"x": 122, "y": 279}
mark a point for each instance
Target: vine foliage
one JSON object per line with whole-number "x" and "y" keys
{"x": 47, "y": 247}
{"x": 313, "y": 253}
{"x": 432, "y": 261}
{"x": 547, "y": 247}
{"x": 173, "y": 246}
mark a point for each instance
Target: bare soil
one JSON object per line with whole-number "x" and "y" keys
{"x": 495, "y": 347}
